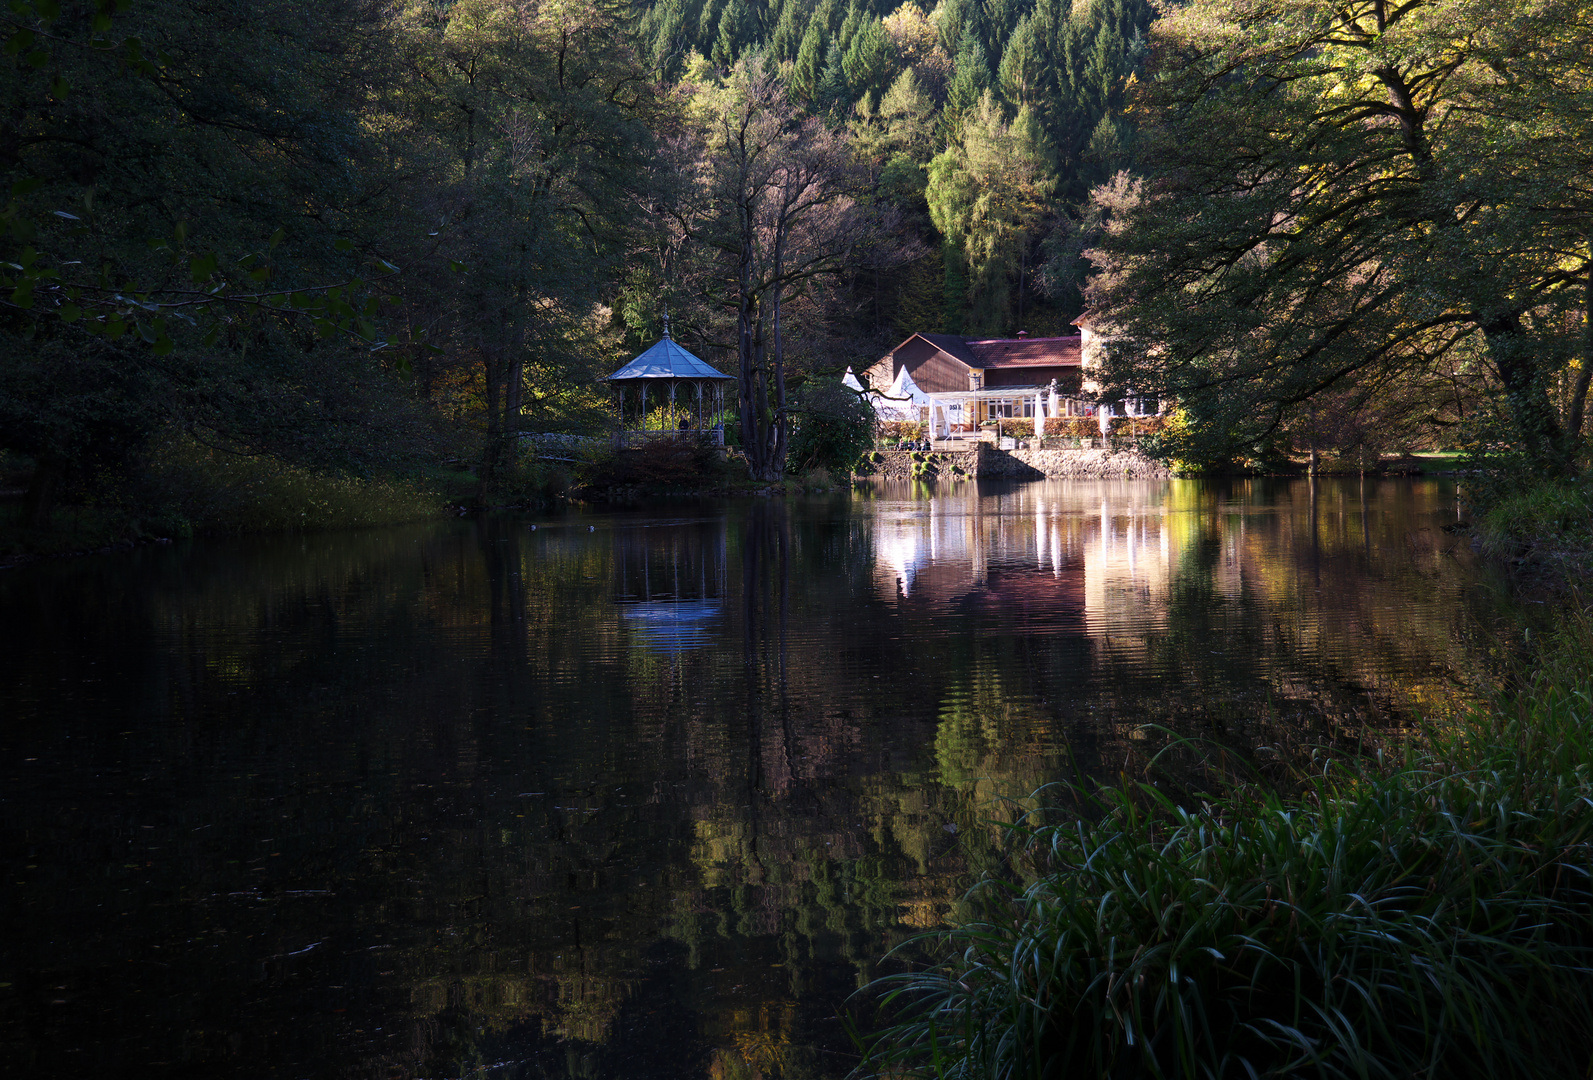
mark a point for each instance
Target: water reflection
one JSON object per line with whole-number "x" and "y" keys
{"x": 630, "y": 794}
{"x": 671, "y": 582}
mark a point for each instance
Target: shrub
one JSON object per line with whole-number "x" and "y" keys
{"x": 1553, "y": 515}
{"x": 196, "y": 487}
{"x": 831, "y": 428}
{"x": 671, "y": 464}
{"x": 894, "y": 431}
{"x": 1426, "y": 917}
{"x": 1073, "y": 427}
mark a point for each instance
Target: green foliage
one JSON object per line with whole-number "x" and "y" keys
{"x": 1380, "y": 230}
{"x": 1425, "y": 916}
{"x": 663, "y": 465}
{"x": 1548, "y": 520}
{"x": 986, "y": 195}
{"x": 832, "y": 427}
{"x": 198, "y": 488}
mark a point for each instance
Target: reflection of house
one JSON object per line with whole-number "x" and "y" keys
{"x": 1092, "y": 559}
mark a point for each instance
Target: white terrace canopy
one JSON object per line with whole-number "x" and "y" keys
{"x": 668, "y": 391}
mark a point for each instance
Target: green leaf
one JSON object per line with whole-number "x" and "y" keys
{"x": 387, "y": 266}
{"x": 60, "y": 88}
{"x": 276, "y": 238}
{"x": 64, "y": 214}
{"x": 22, "y": 295}
{"x": 70, "y": 313}
{"x": 212, "y": 335}
{"x": 144, "y": 331}
{"x": 456, "y": 266}
{"x": 38, "y": 58}
{"x": 163, "y": 345}
{"x": 343, "y": 243}
{"x": 49, "y": 10}
{"x": 115, "y": 327}
{"x": 18, "y": 41}
{"x": 260, "y": 273}
{"x": 26, "y": 187}
{"x": 202, "y": 267}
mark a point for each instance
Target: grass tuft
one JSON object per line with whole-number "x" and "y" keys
{"x": 1428, "y": 916}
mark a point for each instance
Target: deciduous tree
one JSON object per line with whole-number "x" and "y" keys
{"x": 1340, "y": 193}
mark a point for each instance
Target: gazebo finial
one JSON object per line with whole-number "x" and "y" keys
{"x": 666, "y": 321}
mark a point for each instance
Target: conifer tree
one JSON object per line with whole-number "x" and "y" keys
{"x": 808, "y": 71}
{"x": 869, "y": 62}
{"x": 833, "y": 94}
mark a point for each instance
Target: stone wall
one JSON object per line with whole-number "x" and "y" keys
{"x": 1092, "y": 464}
{"x": 906, "y": 464}
{"x": 984, "y": 460}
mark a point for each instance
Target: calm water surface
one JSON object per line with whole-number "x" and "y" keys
{"x": 633, "y": 794}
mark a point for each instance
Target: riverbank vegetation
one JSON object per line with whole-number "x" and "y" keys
{"x": 378, "y": 241}
{"x": 1427, "y": 910}
{"x": 1355, "y": 227}
{"x": 382, "y": 239}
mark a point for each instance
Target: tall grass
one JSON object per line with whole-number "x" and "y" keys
{"x": 1422, "y": 917}
{"x": 210, "y": 491}
{"x": 1547, "y": 519}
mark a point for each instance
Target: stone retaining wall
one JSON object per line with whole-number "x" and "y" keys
{"x": 1092, "y": 464}
{"x": 984, "y": 460}
{"x": 928, "y": 464}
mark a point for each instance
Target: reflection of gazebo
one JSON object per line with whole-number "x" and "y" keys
{"x": 687, "y": 394}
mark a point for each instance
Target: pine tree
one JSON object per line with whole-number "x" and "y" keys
{"x": 736, "y": 32}
{"x": 969, "y": 81}
{"x": 809, "y": 68}
{"x": 921, "y": 296}
{"x": 869, "y": 63}
{"x": 832, "y": 93}
{"x": 1022, "y": 68}
{"x": 786, "y": 42}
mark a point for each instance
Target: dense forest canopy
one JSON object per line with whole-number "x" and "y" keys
{"x": 1355, "y": 224}
{"x": 364, "y": 234}
{"x": 370, "y": 237}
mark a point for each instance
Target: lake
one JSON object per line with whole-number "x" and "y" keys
{"x": 643, "y": 792}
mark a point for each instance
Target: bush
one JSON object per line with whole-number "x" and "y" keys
{"x": 193, "y": 487}
{"x": 831, "y": 428}
{"x": 1425, "y": 917}
{"x": 669, "y": 464}
{"x": 1550, "y": 516}
{"x": 1073, "y": 427}
{"x": 895, "y": 431}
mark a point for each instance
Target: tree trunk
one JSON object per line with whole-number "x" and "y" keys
{"x": 1573, "y": 424}
{"x": 38, "y": 502}
{"x": 1537, "y": 426}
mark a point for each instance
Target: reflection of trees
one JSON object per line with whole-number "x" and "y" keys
{"x": 452, "y": 763}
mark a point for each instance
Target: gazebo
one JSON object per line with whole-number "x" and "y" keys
{"x": 686, "y": 392}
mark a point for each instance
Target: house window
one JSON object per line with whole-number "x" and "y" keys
{"x": 1011, "y": 407}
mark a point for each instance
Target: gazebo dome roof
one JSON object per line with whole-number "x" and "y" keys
{"x": 667, "y": 360}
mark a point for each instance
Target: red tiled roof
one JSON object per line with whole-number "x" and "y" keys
{"x": 1026, "y": 352}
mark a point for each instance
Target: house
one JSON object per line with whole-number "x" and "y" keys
{"x": 956, "y": 384}
{"x": 965, "y": 382}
